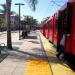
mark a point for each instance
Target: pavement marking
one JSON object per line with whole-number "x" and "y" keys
{"x": 58, "y": 67}
{"x": 38, "y": 67}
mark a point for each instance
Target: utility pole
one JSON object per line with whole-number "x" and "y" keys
{"x": 19, "y": 4}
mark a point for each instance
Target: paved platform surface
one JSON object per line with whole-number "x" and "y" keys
{"x": 33, "y": 55}
{"x": 26, "y": 58}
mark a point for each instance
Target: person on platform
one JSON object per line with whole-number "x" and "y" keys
{"x": 60, "y": 47}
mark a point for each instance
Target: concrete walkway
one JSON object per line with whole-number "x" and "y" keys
{"x": 25, "y": 52}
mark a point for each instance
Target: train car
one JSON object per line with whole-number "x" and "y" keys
{"x": 50, "y": 29}
{"x": 47, "y": 25}
{"x": 66, "y": 25}
{"x": 55, "y": 29}
{"x": 70, "y": 30}
{"x": 43, "y": 29}
{"x": 46, "y": 30}
{"x": 61, "y": 23}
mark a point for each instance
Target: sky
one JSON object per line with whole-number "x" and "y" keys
{"x": 44, "y": 8}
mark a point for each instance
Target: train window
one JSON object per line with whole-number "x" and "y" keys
{"x": 68, "y": 19}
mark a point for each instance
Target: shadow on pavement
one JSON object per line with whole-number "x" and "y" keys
{"x": 3, "y": 54}
{"x": 2, "y": 57}
{"x": 36, "y": 42}
{"x": 31, "y": 37}
{"x": 21, "y": 55}
{"x": 17, "y": 55}
{"x": 26, "y": 55}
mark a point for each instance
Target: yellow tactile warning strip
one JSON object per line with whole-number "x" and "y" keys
{"x": 58, "y": 67}
{"x": 38, "y": 67}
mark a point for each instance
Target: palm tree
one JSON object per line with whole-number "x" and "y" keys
{"x": 8, "y": 8}
{"x": 32, "y": 4}
{"x": 3, "y": 10}
{"x": 30, "y": 20}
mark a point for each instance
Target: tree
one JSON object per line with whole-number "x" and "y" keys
{"x": 32, "y": 4}
{"x": 8, "y": 9}
{"x": 3, "y": 10}
{"x": 8, "y": 22}
{"x": 30, "y": 20}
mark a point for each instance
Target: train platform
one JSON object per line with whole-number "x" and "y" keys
{"x": 33, "y": 55}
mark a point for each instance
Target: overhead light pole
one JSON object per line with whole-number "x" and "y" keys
{"x": 19, "y": 4}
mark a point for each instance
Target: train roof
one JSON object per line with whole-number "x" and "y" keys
{"x": 63, "y": 7}
{"x": 48, "y": 20}
{"x": 71, "y": 0}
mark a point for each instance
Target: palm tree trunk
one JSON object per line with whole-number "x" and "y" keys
{"x": 8, "y": 22}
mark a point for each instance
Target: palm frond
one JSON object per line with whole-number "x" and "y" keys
{"x": 32, "y": 4}
{"x": 3, "y": 6}
{"x": 2, "y": 11}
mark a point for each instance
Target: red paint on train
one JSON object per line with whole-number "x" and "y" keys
{"x": 62, "y": 22}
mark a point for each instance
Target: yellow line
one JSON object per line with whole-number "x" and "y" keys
{"x": 38, "y": 67}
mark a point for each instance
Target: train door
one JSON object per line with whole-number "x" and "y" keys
{"x": 41, "y": 28}
{"x": 55, "y": 29}
{"x": 44, "y": 30}
{"x": 59, "y": 27}
{"x": 48, "y": 28}
{"x": 50, "y": 31}
{"x": 68, "y": 23}
{"x": 48, "y": 23}
{"x": 73, "y": 28}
